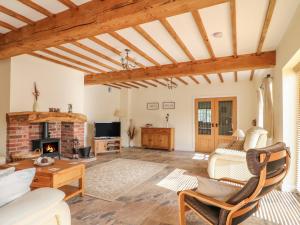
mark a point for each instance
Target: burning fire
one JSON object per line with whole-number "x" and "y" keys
{"x": 50, "y": 148}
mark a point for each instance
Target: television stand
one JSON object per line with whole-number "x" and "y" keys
{"x": 106, "y": 145}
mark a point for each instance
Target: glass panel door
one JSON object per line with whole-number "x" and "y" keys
{"x": 225, "y": 118}
{"x": 204, "y": 118}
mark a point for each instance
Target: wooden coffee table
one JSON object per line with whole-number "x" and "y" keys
{"x": 59, "y": 175}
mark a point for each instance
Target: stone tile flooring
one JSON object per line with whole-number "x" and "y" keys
{"x": 147, "y": 204}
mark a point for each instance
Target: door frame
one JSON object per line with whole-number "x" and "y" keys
{"x": 234, "y": 111}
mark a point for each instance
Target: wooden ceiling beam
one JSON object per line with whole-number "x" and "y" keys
{"x": 177, "y": 39}
{"x": 182, "y": 81}
{"x": 206, "y": 66}
{"x": 130, "y": 85}
{"x": 50, "y": 52}
{"x": 206, "y": 78}
{"x": 95, "y": 52}
{"x": 149, "y": 83}
{"x": 267, "y": 21}
{"x": 69, "y": 4}
{"x": 16, "y": 15}
{"x": 36, "y": 7}
{"x": 139, "y": 84}
{"x": 70, "y": 51}
{"x": 113, "y": 86}
{"x": 235, "y": 76}
{"x": 121, "y": 85}
{"x": 133, "y": 47}
{"x": 233, "y": 26}
{"x": 194, "y": 79}
{"x": 159, "y": 82}
{"x": 203, "y": 33}
{"x": 168, "y": 80}
{"x": 252, "y": 75}
{"x": 145, "y": 35}
{"x": 91, "y": 19}
{"x": 221, "y": 77}
{"x": 112, "y": 49}
{"x": 59, "y": 62}
{"x": 7, "y": 26}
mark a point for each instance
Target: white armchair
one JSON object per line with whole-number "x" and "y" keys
{"x": 44, "y": 206}
{"x": 230, "y": 161}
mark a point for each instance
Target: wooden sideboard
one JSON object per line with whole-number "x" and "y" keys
{"x": 158, "y": 138}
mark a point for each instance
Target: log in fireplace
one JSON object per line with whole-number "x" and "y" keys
{"x": 49, "y": 146}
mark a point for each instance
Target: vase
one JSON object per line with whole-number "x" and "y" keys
{"x": 35, "y": 106}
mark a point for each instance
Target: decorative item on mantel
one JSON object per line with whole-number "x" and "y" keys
{"x": 167, "y": 120}
{"x": 36, "y": 94}
{"x": 70, "y": 108}
{"x": 131, "y": 132}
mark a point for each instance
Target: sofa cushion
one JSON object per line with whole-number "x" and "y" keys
{"x": 216, "y": 189}
{"x": 256, "y": 137}
{"x": 15, "y": 185}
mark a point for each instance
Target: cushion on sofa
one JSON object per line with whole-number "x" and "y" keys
{"x": 15, "y": 185}
{"x": 216, "y": 189}
{"x": 7, "y": 171}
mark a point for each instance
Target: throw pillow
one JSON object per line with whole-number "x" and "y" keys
{"x": 216, "y": 189}
{"x": 7, "y": 171}
{"x": 15, "y": 185}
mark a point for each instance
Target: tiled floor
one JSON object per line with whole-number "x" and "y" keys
{"x": 147, "y": 204}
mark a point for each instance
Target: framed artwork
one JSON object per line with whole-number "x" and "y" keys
{"x": 168, "y": 105}
{"x": 152, "y": 105}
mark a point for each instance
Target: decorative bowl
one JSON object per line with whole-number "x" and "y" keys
{"x": 40, "y": 161}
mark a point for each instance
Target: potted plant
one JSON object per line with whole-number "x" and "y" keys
{"x": 131, "y": 132}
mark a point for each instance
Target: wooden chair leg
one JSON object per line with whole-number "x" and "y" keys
{"x": 182, "y": 209}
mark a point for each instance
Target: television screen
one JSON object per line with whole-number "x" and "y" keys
{"x": 109, "y": 129}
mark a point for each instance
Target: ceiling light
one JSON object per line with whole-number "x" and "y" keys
{"x": 217, "y": 34}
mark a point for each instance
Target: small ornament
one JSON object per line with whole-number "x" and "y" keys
{"x": 70, "y": 108}
{"x": 36, "y": 94}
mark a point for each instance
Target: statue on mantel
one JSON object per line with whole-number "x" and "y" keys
{"x": 36, "y": 94}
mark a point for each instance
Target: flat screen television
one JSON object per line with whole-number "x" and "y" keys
{"x": 107, "y": 129}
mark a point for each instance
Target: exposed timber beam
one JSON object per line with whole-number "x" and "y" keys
{"x": 37, "y": 7}
{"x": 169, "y": 80}
{"x": 59, "y": 62}
{"x": 206, "y": 78}
{"x": 252, "y": 74}
{"x": 133, "y": 47}
{"x": 194, "y": 79}
{"x": 121, "y": 85}
{"x": 235, "y": 76}
{"x": 175, "y": 36}
{"x": 182, "y": 80}
{"x": 233, "y": 26}
{"x": 113, "y": 86}
{"x": 16, "y": 15}
{"x": 130, "y": 85}
{"x": 149, "y": 83}
{"x": 7, "y": 26}
{"x": 93, "y": 18}
{"x": 207, "y": 66}
{"x": 69, "y": 4}
{"x": 221, "y": 77}
{"x": 159, "y": 82}
{"x": 139, "y": 84}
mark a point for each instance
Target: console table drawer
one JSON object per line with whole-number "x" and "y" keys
{"x": 41, "y": 181}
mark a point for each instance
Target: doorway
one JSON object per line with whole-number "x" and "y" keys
{"x": 215, "y": 122}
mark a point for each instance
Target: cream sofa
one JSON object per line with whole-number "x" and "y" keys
{"x": 44, "y": 206}
{"x": 231, "y": 163}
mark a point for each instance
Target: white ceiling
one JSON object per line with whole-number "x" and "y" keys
{"x": 250, "y": 17}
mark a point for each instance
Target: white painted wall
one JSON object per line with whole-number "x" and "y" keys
{"x": 182, "y": 118}
{"x": 4, "y": 101}
{"x": 99, "y": 105}
{"x": 58, "y": 85}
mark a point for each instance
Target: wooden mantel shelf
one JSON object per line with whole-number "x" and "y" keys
{"x": 39, "y": 117}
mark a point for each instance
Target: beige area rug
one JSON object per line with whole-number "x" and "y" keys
{"x": 111, "y": 180}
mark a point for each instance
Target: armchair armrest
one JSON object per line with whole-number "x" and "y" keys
{"x": 231, "y": 180}
{"x": 230, "y": 152}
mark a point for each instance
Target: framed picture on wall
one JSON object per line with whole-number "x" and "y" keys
{"x": 153, "y": 106}
{"x": 168, "y": 105}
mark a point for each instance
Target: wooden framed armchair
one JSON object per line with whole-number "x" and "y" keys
{"x": 268, "y": 166}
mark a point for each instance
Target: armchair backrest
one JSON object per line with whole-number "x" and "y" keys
{"x": 256, "y": 137}
{"x": 268, "y": 166}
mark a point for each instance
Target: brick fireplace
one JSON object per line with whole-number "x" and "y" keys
{"x": 25, "y": 128}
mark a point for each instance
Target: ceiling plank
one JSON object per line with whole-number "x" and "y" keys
{"x": 97, "y": 53}
{"x": 182, "y": 81}
{"x": 178, "y": 40}
{"x": 7, "y": 26}
{"x": 235, "y": 76}
{"x": 169, "y": 80}
{"x": 206, "y": 78}
{"x": 139, "y": 84}
{"x": 159, "y": 82}
{"x": 37, "y": 7}
{"x": 133, "y": 47}
{"x": 221, "y": 77}
{"x": 91, "y": 19}
{"x": 59, "y": 62}
{"x": 130, "y": 85}
{"x": 252, "y": 75}
{"x": 16, "y": 15}
{"x": 50, "y": 52}
{"x": 149, "y": 83}
{"x": 114, "y": 50}
{"x": 85, "y": 57}
{"x": 233, "y": 26}
{"x": 266, "y": 25}
{"x": 206, "y": 66}
{"x": 194, "y": 79}
{"x": 203, "y": 33}
{"x": 69, "y": 4}
{"x": 121, "y": 85}
{"x": 142, "y": 32}
{"x": 113, "y": 86}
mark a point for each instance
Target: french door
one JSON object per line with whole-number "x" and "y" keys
{"x": 215, "y": 122}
